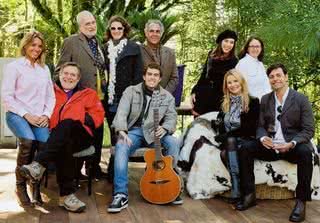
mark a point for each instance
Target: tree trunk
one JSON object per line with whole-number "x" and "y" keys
{"x": 48, "y": 16}
{"x": 57, "y": 44}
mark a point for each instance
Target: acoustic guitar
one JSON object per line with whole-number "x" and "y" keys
{"x": 160, "y": 184}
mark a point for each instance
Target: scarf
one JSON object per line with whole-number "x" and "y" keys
{"x": 147, "y": 97}
{"x": 232, "y": 118}
{"x": 113, "y": 52}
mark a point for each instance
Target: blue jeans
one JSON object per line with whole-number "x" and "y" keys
{"x": 21, "y": 128}
{"x": 123, "y": 151}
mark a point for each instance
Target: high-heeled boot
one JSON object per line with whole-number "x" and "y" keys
{"x": 36, "y": 195}
{"x": 35, "y": 185}
{"x": 23, "y": 157}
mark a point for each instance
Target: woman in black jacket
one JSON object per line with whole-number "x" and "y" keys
{"x": 124, "y": 64}
{"x": 125, "y": 68}
{"x": 207, "y": 93}
{"x": 237, "y": 124}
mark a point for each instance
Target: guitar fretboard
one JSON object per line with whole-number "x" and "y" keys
{"x": 157, "y": 143}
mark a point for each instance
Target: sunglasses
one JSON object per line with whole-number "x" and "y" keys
{"x": 279, "y": 110}
{"x": 116, "y": 28}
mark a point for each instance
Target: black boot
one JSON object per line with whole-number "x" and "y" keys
{"x": 35, "y": 185}
{"x": 248, "y": 201}
{"x": 299, "y": 211}
{"x": 36, "y": 195}
{"x": 23, "y": 157}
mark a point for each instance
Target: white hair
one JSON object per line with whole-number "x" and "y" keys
{"x": 82, "y": 14}
{"x": 154, "y": 21}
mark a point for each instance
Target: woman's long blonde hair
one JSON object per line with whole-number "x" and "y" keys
{"x": 27, "y": 40}
{"x": 244, "y": 91}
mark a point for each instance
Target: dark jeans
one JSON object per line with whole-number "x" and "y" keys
{"x": 66, "y": 138}
{"x": 301, "y": 155}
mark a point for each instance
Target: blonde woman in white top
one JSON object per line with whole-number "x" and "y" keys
{"x": 251, "y": 66}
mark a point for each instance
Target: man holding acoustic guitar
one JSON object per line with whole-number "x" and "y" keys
{"x": 144, "y": 108}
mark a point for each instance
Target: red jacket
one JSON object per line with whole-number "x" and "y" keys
{"x": 84, "y": 100}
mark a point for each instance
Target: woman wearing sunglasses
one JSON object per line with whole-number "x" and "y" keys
{"x": 237, "y": 124}
{"x": 124, "y": 64}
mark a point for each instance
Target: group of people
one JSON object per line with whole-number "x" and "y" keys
{"x": 259, "y": 115}
{"x": 63, "y": 120}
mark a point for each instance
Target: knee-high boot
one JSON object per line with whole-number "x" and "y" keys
{"x": 36, "y": 195}
{"x": 233, "y": 167}
{"x": 35, "y": 185}
{"x": 24, "y": 157}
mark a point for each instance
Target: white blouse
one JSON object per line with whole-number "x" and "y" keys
{"x": 255, "y": 74}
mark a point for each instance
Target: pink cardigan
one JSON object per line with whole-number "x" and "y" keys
{"x": 27, "y": 89}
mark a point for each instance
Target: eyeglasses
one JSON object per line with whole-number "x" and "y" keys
{"x": 279, "y": 110}
{"x": 116, "y": 28}
{"x": 255, "y": 47}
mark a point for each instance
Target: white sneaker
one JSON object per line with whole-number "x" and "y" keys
{"x": 71, "y": 203}
{"x": 33, "y": 171}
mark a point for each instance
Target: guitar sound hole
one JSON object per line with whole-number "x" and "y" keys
{"x": 158, "y": 165}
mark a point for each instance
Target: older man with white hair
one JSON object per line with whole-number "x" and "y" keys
{"x": 84, "y": 49}
{"x": 154, "y": 52}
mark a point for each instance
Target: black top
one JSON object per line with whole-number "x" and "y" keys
{"x": 208, "y": 90}
{"x": 248, "y": 123}
{"x": 129, "y": 68}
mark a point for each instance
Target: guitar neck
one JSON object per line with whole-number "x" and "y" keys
{"x": 157, "y": 143}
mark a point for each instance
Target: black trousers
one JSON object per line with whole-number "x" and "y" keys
{"x": 97, "y": 143}
{"x": 110, "y": 116}
{"x": 301, "y": 155}
{"x": 66, "y": 138}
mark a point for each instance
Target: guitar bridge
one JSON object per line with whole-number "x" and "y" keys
{"x": 159, "y": 181}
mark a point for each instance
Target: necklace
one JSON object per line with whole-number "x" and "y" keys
{"x": 113, "y": 52}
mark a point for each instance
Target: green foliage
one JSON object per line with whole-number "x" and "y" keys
{"x": 139, "y": 19}
{"x": 197, "y": 36}
{"x": 290, "y": 30}
{"x": 296, "y": 24}
{"x": 12, "y": 26}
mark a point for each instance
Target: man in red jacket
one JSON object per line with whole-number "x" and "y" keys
{"x": 77, "y": 113}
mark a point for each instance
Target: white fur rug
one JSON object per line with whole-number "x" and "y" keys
{"x": 208, "y": 176}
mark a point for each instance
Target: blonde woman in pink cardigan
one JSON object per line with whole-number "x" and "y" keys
{"x": 28, "y": 96}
